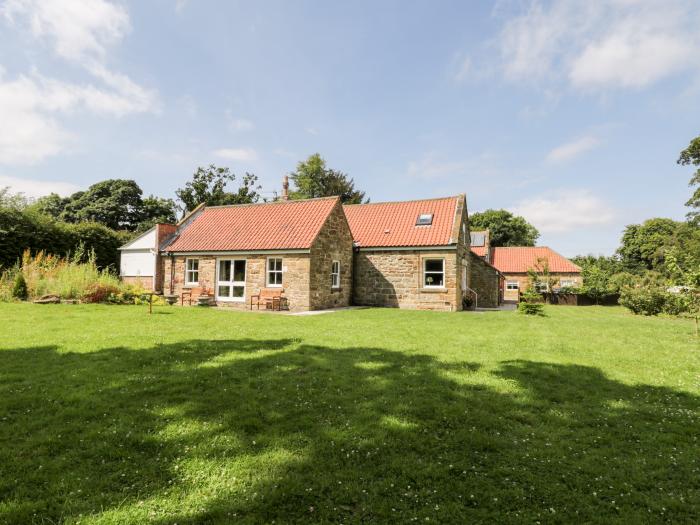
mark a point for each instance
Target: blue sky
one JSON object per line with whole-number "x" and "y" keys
{"x": 570, "y": 113}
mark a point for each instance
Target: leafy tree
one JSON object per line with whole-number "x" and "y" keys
{"x": 313, "y": 179}
{"x": 596, "y": 282}
{"x": 540, "y": 278}
{"x": 505, "y": 228}
{"x": 15, "y": 201}
{"x": 115, "y": 203}
{"x": 685, "y": 271}
{"x": 643, "y": 246}
{"x": 52, "y": 205}
{"x": 154, "y": 210}
{"x": 691, "y": 156}
{"x": 610, "y": 265}
{"x": 208, "y": 185}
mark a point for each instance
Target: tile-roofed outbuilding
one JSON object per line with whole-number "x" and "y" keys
{"x": 393, "y": 224}
{"x": 281, "y": 225}
{"x": 521, "y": 258}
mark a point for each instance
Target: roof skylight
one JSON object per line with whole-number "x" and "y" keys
{"x": 424, "y": 219}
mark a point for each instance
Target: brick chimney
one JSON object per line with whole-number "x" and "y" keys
{"x": 285, "y": 188}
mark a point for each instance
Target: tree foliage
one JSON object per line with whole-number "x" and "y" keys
{"x": 16, "y": 201}
{"x": 313, "y": 178}
{"x": 209, "y": 186}
{"x": 505, "y": 229}
{"x": 690, "y": 156}
{"x": 27, "y": 229}
{"x": 115, "y": 203}
{"x": 644, "y": 246}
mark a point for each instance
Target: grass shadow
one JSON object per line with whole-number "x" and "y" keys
{"x": 256, "y": 431}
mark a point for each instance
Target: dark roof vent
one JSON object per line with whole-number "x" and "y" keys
{"x": 424, "y": 219}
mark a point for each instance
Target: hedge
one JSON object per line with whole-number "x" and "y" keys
{"x": 21, "y": 230}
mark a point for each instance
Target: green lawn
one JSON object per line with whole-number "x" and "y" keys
{"x": 108, "y": 415}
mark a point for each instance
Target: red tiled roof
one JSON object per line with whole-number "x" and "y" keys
{"x": 271, "y": 226}
{"x": 479, "y": 250}
{"x": 386, "y": 224}
{"x": 521, "y": 259}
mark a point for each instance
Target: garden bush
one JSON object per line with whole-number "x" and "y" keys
{"x": 531, "y": 308}
{"x": 532, "y": 303}
{"x": 19, "y": 287}
{"x": 25, "y": 230}
{"x": 644, "y": 300}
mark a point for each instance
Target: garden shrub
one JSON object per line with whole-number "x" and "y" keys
{"x": 27, "y": 230}
{"x": 644, "y": 300}
{"x": 531, "y": 303}
{"x": 676, "y": 304}
{"x": 99, "y": 293}
{"x": 531, "y": 308}
{"x": 19, "y": 287}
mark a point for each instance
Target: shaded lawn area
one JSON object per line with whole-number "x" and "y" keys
{"x": 192, "y": 415}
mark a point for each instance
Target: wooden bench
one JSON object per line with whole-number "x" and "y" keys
{"x": 189, "y": 293}
{"x": 271, "y": 298}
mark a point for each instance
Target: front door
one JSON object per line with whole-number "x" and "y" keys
{"x": 230, "y": 280}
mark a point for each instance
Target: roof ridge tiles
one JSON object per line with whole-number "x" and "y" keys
{"x": 290, "y": 201}
{"x": 405, "y": 202}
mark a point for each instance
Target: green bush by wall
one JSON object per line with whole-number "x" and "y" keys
{"x": 21, "y": 230}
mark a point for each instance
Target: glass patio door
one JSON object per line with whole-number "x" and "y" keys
{"x": 230, "y": 280}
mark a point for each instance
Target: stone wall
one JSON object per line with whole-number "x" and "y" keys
{"x": 461, "y": 233}
{"x": 394, "y": 278}
{"x": 295, "y": 277}
{"x": 333, "y": 243}
{"x": 524, "y": 281}
{"x": 485, "y": 281}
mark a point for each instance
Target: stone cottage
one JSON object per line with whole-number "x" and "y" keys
{"x": 301, "y": 248}
{"x": 322, "y": 254}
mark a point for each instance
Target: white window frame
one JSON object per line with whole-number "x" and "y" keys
{"x": 188, "y": 271}
{"x": 570, "y": 283}
{"x": 335, "y": 275}
{"x": 425, "y": 263}
{"x": 232, "y": 283}
{"x": 268, "y": 272}
{"x": 510, "y": 283}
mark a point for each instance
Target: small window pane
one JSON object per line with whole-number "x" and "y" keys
{"x": 239, "y": 271}
{"x": 424, "y": 219}
{"x": 433, "y": 265}
{"x": 434, "y": 279}
{"x": 224, "y": 291}
{"x": 238, "y": 291}
{"x": 224, "y": 270}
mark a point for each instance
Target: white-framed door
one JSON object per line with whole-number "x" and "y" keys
{"x": 230, "y": 280}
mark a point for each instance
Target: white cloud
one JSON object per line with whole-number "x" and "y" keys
{"x": 565, "y": 210}
{"x": 311, "y": 130}
{"x": 79, "y": 31}
{"x": 37, "y": 188}
{"x": 572, "y": 149}
{"x": 239, "y": 154}
{"x": 29, "y": 129}
{"x": 602, "y": 44}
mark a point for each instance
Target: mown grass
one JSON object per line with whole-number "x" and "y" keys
{"x": 108, "y": 415}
